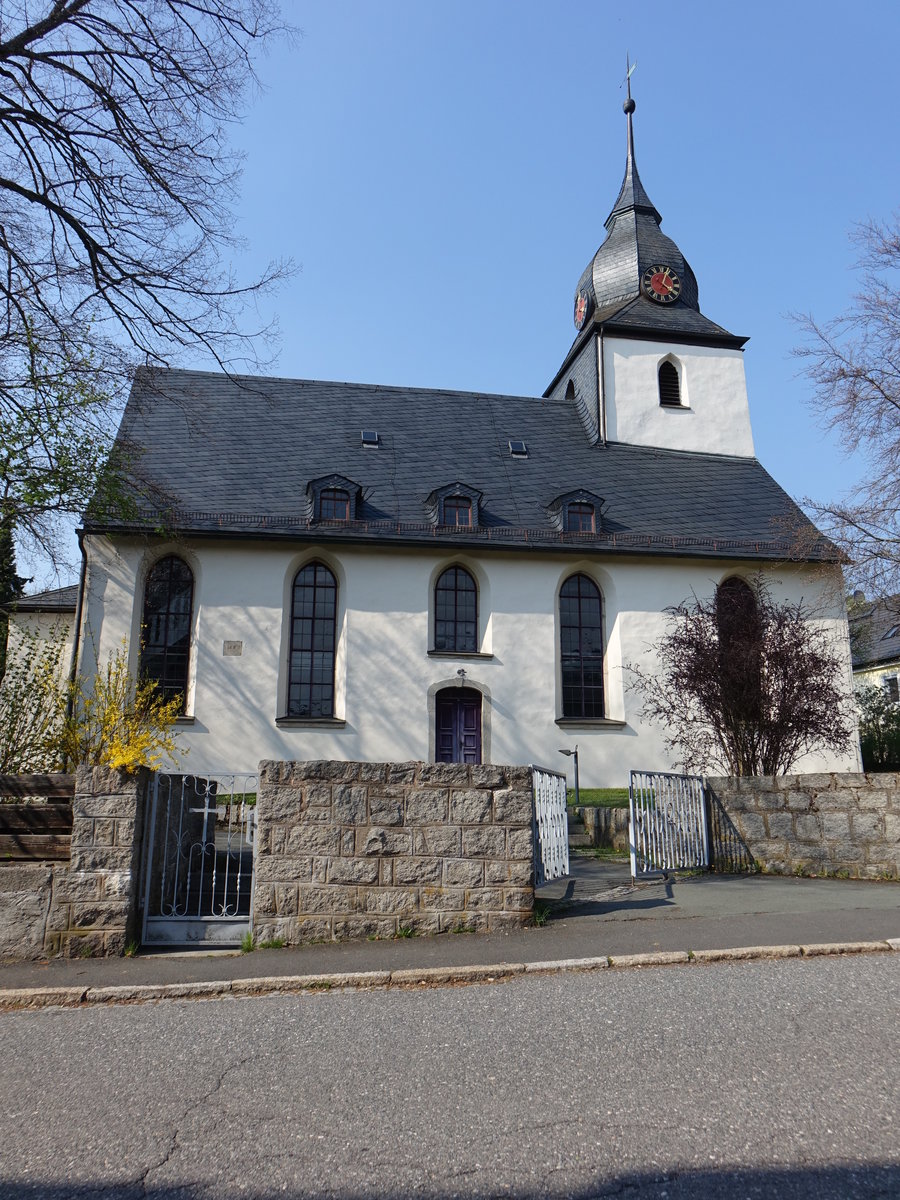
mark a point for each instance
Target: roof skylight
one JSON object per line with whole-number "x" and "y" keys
{"x": 517, "y": 448}
{"x": 370, "y": 438}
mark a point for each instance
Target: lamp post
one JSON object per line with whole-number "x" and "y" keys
{"x": 574, "y": 754}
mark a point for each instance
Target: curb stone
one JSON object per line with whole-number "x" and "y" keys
{"x": 657, "y": 958}
{"x": 12, "y": 999}
{"x": 845, "y": 948}
{"x": 566, "y": 964}
{"x": 457, "y": 974}
{"x": 266, "y": 984}
{"x": 745, "y": 953}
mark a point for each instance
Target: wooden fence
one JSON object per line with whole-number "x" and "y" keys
{"x": 36, "y": 831}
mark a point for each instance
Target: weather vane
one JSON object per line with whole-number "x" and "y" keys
{"x": 629, "y": 71}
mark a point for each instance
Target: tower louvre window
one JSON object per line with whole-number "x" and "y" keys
{"x": 669, "y": 386}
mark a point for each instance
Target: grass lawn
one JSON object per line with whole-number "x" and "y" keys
{"x": 599, "y": 797}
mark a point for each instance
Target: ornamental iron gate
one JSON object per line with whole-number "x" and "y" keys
{"x": 198, "y": 862}
{"x": 550, "y": 826}
{"x": 667, "y": 826}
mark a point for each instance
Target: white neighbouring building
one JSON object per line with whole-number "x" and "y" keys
{"x": 364, "y": 572}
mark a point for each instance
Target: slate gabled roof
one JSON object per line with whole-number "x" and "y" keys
{"x": 869, "y": 626}
{"x": 64, "y": 599}
{"x": 234, "y": 457}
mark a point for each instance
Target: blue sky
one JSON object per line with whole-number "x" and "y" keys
{"x": 441, "y": 174}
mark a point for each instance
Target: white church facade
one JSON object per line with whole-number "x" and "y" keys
{"x": 358, "y": 572}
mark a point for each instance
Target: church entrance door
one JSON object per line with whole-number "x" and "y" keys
{"x": 458, "y": 725}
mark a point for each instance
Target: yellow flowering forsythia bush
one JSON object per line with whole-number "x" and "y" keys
{"x": 117, "y": 722}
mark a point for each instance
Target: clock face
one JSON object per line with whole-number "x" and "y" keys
{"x": 661, "y": 284}
{"x": 582, "y": 308}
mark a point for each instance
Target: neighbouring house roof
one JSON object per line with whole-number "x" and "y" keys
{"x": 235, "y": 456}
{"x": 63, "y": 599}
{"x": 870, "y": 625}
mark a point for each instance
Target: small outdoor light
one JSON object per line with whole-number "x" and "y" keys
{"x": 573, "y": 754}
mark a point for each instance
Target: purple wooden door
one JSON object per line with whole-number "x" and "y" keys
{"x": 458, "y": 720}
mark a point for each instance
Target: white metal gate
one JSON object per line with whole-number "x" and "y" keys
{"x": 550, "y": 825}
{"x": 198, "y": 860}
{"x": 667, "y": 822}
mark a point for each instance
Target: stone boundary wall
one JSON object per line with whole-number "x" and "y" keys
{"x": 87, "y": 906}
{"x": 355, "y": 849}
{"x": 605, "y": 826}
{"x": 826, "y": 824}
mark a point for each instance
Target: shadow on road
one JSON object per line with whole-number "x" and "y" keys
{"x": 872, "y": 1181}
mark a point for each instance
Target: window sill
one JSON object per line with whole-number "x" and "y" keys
{"x": 309, "y": 722}
{"x": 185, "y": 720}
{"x": 590, "y": 723}
{"x": 459, "y": 654}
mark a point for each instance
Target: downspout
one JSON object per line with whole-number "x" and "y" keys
{"x": 79, "y": 610}
{"x": 601, "y": 398}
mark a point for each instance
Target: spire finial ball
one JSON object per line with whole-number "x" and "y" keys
{"x": 629, "y": 106}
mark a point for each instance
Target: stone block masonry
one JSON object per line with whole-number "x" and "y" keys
{"x": 93, "y": 910}
{"x": 351, "y": 850}
{"x": 826, "y": 824}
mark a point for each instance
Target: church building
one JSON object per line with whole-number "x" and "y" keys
{"x": 363, "y": 572}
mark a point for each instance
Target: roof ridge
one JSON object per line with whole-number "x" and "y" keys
{"x": 347, "y": 383}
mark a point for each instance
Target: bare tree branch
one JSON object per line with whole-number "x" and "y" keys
{"x": 854, "y": 365}
{"x": 116, "y": 211}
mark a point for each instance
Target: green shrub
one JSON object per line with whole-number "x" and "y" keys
{"x": 879, "y": 730}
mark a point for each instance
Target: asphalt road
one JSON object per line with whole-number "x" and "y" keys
{"x": 758, "y": 1079}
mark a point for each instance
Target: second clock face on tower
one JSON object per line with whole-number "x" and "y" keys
{"x": 660, "y": 283}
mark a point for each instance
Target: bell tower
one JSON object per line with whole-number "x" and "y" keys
{"x": 646, "y": 366}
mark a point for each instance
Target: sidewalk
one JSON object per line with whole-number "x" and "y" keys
{"x": 594, "y": 915}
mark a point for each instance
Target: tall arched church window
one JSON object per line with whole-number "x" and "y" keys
{"x": 312, "y": 647}
{"x": 166, "y": 628}
{"x": 669, "y": 386}
{"x": 740, "y": 648}
{"x": 581, "y": 648}
{"x": 456, "y": 612}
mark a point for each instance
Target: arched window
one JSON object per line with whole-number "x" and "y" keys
{"x": 669, "y": 386}
{"x": 581, "y": 648}
{"x": 740, "y": 648}
{"x": 166, "y": 628}
{"x": 334, "y": 505}
{"x": 313, "y": 635}
{"x": 456, "y": 612}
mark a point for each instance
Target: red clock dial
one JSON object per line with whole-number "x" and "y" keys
{"x": 582, "y": 309}
{"x": 660, "y": 283}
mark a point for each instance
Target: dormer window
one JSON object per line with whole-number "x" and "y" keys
{"x": 580, "y": 517}
{"x": 456, "y": 505}
{"x": 576, "y": 512}
{"x": 334, "y": 498}
{"x": 458, "y": 511}
{"x": 669, "y": 386}
{"x": 334, "y": 505}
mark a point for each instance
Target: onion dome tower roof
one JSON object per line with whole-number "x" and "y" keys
{"x": 615, "y": 287}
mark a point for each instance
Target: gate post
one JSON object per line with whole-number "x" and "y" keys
{"x": 96, "y": 902}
